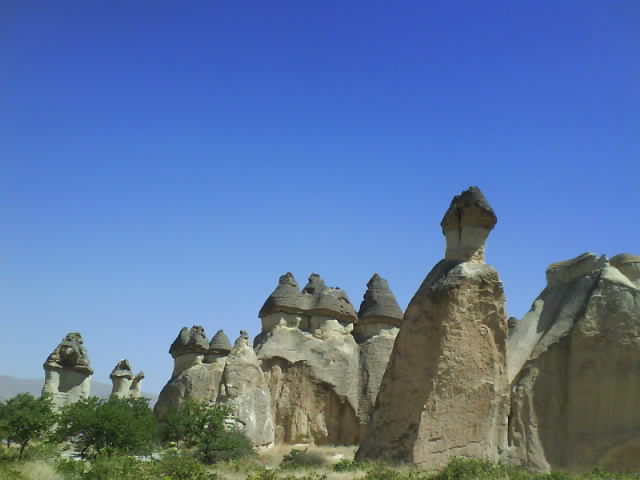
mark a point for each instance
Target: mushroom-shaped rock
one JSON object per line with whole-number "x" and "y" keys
{"x": 220, "y": 343}
{"x": 379, "y": 304}
{"x": 466, "y": 226}
{"x": 122, "y": 370}
{"x": 121, "y": 379}
{"x": 285, "y": 298}
{"x": 68, "y": 371}
{"x": 629, "y": 265}
{"x": 70, "y": 353}
{"x": 191, "y": 340}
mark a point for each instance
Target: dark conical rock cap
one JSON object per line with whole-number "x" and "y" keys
{"x": 220, "y": 343}
{"x": 379, "y": 303}
{"x": 285, "y": 298}
{"x": 191, "y": 340}
{"x": 315, "y": 285}
{"x": 122, "y": 369}
{"x": 328, "y": 301}
{"x": 469, "y": 209}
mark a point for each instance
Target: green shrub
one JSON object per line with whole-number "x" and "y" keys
{"x": 303, "y": 459}
{"x": 118, "y": 467}
{"x": 182, "y": 467}
{"x": 224, "y": 445}
{"x": 71, "y": 469}
{"x": 108, "y": 426}
{"x": 24, "y": 418}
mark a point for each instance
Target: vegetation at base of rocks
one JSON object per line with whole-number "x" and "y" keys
{"x": 105, "y": 427}
{"x": 24, "y": 418}
{"x": 201, "y": 426}
{"x": 351, "y": 466}
{"x": 303, "y": 459}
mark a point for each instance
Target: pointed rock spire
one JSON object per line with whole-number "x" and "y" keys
{"x": 220, "y": 343}
{"x": 379, "y": 303}
{"x": 466, "y": 226}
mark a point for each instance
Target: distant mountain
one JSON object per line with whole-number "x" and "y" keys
{"x": 11, "y": 386}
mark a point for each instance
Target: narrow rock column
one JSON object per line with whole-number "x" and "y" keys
{"x": 445, "y": 391}
{"x": 121, "y": 379}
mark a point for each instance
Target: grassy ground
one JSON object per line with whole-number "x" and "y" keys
{"x": 279, "y": 463}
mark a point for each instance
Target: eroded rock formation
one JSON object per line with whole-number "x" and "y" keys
{"x": 308, "y": 355}
{"x": 244, "y": 389}
{"x": 445, "y": 390}
{"x": 68, "y": 371}
{"x": 124, "y": 383}
{"x": 575, "y": 364}
{"x": 310, "y": 360}
{"x": 198, "y": 367}
{"x": 378, "y": 324}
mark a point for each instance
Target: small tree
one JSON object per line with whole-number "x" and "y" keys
{"x": 24, "y": 418}
{"x": 202, "y": 425}
{"x": 114, "y": 425}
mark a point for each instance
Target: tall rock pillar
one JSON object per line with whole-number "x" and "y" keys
{"x": 445, "y": 391}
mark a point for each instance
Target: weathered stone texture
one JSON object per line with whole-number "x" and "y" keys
{"x": 574, "y": 401}
{"x": 445, "y": 390}
{"x": 245, "y": 390}
{"x": 313, "y": 383}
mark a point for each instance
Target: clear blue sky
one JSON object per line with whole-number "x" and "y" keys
{"x": 162, "y": 163}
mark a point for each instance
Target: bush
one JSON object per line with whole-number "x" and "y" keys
{"x": 24, "y": 418}
{"x": 182, "y": 467}
{"x": 201, "y": 425}
{"x": 107, "y": 427}
{"x": 224, "y": 445}
{"x": 303, "y": 459}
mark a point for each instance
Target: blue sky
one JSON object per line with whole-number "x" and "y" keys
{"x": 162, "y": 163}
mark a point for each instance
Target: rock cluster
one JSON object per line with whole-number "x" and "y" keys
{"x": 449, "y": 377}
{"x": 311, "y": 377}
{"x": 68, "y": 371}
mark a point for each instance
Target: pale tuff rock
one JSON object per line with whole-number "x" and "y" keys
{"x": 629, "y": 265}
{"x": 574, "y": 401}
{"x": 121, "y": 379}
{"x": 445, "y": 391}
{"x": 68, "y": 371}
{"x": 245, "y": 390}
{"x": 125, "y": 385}
{"x": 310, "y": 360}
{"x": 378, "y": 321}
{"x": 198, "y": 368}
{"x": 135, "y": 391}
{"x": 466, "y": 226}
{"x": 313, "y": 385}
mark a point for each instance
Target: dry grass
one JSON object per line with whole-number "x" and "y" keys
{"x": 39, "y": 470}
